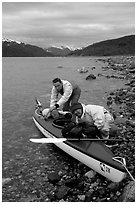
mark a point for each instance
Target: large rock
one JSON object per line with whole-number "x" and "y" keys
{"x": 128, "y": 193}
{"x": 91, "y": 76}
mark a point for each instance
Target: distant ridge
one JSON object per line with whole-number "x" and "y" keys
{"x": 11, "y": 48}
{"x": 120, "y": 46}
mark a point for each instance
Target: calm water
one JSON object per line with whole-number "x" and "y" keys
{"x": 25, "y": 78}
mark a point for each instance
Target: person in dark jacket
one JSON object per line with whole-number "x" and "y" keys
{"x": 94, "y": 115}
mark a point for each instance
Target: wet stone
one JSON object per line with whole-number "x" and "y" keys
{"x": 61, "y": 192}
{"x": 88, "y": 196}
{"x": 53, "y": 177}
{"x": 71, "y": 182}
{"x": 113, "y": 186}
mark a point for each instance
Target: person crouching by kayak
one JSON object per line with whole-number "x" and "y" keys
{"x": 95, "y": 115}
{"x": 70, "y": 94}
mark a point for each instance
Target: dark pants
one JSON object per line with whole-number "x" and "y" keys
{"x": 73, "y": 98}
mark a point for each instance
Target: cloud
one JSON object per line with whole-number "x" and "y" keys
{"x": 80, "y": 23}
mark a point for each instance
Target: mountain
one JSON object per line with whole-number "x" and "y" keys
{"x": 120, "y": 46}
{"x": 59, "y": 51}
{"x": 11, "y": 48}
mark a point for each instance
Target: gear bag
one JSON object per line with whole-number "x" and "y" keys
{"x": 90, "y": 130}
{"x": 77, "y": 130}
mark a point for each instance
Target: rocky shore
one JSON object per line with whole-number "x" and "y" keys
{"x": 70, "y": 181}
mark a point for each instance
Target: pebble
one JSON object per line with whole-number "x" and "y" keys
{"x": 81, "y": 197}
{"x": 38, "y": 172}
{"x": 90, "y": 174}
{"x": 61, "y": 192}
{"x": 5, "y": 180}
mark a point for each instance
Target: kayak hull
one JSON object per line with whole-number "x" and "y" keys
{"x": 113, "y": 171}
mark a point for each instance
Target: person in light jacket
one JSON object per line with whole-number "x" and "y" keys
{"x": 70, "y": 94}
{"x": 94, "y": 114}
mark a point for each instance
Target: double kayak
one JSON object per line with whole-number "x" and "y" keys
{"x": 94, "y": 154}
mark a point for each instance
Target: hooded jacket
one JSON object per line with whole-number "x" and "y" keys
{"x": 94, "y": 114}
{"x": 66, "y": 93}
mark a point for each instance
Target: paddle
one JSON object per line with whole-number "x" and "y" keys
{"x": 59, "y": 140}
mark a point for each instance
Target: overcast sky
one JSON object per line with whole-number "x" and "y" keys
{"x": 71, "y": 24}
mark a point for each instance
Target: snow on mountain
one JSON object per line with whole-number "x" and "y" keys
{"x": 12, "y": 48}
{"x": 74, "y": 48}
{"x": 9, "y": 40}
{"x": 63, "y": 47}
